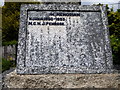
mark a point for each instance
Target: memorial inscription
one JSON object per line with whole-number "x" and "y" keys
{"x": 63, "y": 38}
{"x": 54, "y": 17}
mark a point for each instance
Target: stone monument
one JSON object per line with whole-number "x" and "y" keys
{"x": 63, "y": 38}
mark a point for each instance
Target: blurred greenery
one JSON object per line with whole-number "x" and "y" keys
{"x": 0, "y": 26}
{"x": 0, "y": 20}
{"x": 9, "y": 43}
{"x": 0, "y": 17}
{"x": 6, "y": 64}
{"x": 114, "y": 28}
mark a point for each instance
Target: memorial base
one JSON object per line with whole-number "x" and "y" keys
{"x": 13, "y": 80}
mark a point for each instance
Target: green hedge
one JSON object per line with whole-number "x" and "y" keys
{"x": 6, "y": 64}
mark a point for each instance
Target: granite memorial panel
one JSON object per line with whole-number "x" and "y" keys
{"x": 63, "y": 38}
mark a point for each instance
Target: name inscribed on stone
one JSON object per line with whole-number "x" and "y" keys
{"x": 53, "y": 18}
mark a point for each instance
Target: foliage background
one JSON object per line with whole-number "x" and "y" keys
{"x": 114, "y": 28}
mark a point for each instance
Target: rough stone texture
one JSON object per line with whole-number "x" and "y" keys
{"x": 81, "y": 45}
{"x": 60, "y": 1}
{"x": 13, "y": 80}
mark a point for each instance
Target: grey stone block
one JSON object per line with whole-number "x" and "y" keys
{"x": 63, "y": 38}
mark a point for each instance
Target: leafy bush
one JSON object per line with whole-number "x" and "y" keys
{"x": 6, "y": 64}
{"x": 114, "y": 27}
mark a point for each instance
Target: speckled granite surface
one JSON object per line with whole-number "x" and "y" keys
{"x": 63, "y": 38}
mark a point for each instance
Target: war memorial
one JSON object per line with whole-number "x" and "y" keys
{"x": 63, "y": 45}
{"x": 63, "y": 38}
